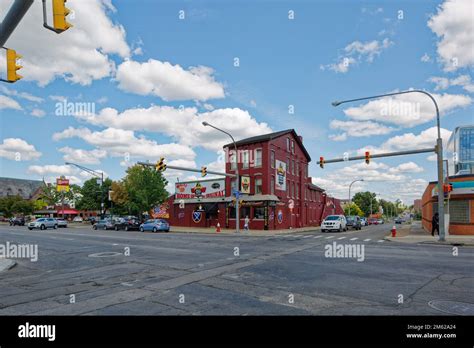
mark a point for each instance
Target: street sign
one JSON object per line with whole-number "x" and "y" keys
{"x": 236, "y": 194}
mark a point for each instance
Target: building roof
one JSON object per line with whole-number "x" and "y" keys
{"x": 271, "y": 136}
{"x": 315, "y": 187}
{"x": 19, "y": 187}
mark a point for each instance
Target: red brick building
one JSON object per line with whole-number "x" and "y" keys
{"x": 277, "y": 192}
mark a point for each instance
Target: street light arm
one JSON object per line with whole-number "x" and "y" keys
{"x": 90, "y": 171}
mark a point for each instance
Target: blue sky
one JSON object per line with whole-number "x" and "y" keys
{"x": 161, "y": 75}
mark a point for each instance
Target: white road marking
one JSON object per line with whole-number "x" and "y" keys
{"x": 317, "y": 237}
{"x": 341, "y": 238}
{"x": 307, "y": 237}
{"x": 330, "y": 237}
{"x": 366, "y": 240}
{"x": 380, "y": 241}
{"x": 354, "y": 238}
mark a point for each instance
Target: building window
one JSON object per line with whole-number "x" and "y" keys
{"x": 232, "y": 157}
{"x": 297, "y": 169}
{"x": 297, "y": 191}
{"x": 258, "y": 157}
{"x": 292, "y": 147}
{"x": 288, "y": 187}
{"x": 244, "y": 211}
{"x": 231, "y": 212}
{"x": 288, "y": 165}
{"x": 245, "y": 159}
{"x": 292, "y": 189}
{"x": 233, "y": 185}
{"x": 272, "y": 159}
{"x": 259, "y": 213}
{"x": 258, "y": 186}
{"x": 272, "y": 185}
{"x": 288, "y": 144}
{"x": 293, "y": 167}
{"x": 459, "y": 211}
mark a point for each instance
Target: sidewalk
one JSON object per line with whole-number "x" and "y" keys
{"x": 261, "y": 233}
{"x": 415, "y": 234}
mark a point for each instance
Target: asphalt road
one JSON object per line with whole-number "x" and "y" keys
{"x": 203, "y": 274}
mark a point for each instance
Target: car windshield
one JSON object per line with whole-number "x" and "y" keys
{"x": 332, "y": 217}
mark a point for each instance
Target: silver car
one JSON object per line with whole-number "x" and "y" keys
{"x": 61, "y": 222}
{"x": 43, "y": 223}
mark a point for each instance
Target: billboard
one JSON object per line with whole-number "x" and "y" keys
{"x": 161, "y": 211}
{"x": 200, "y": 189}
{"x": 280, "y": 174}
{"x": 62, "y": 184}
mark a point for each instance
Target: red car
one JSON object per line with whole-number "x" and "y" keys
{"x": 373, "y": 221}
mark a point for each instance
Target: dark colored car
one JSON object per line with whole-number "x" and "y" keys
{"x": 127, "y": 224}
{"x": 399, "y": 220}
{"x": 354, "y": 221}
{"x": 105, "y": 224}
{"x": 17, "y": 221}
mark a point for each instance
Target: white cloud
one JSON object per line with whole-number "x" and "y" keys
{"x": 407, "y": 110}
{"x": 184, "y": 125}
{"x": 425, "y": 58}
{"x": 342, "y": 66}
{"x": 58, "y": 98}
{"x": 80, "y": 54}
{"x": 81, "y": 156}
{"x": 124, "y": 143}
{"x": 359, "y": 129}
{"x": 38, "y": 113}
{"x": 443, "y": 82}
{"x": 51, "y": 171}
{"x": 9, "y": 103}
{"x": 167, "y": 81}
{"x": 454, "y": 26}
{"x": 338, "y": 137}
{"x": 23, "y": 95}
{"x": 18, "y": 150}
{"x": 408, "y": 167}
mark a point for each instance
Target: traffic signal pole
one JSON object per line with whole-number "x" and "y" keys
{"x": 12, "y": 18}
{"x": 187, "y": 169}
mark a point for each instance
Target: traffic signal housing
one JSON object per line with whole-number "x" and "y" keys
{"x": 321, "y": 162}
{"x": 203, "y": 171}
{"x": 160, "y": 165}
{"x": 12, "y": 66}
{"x": 367, "y": 157}
{"x": 60, "y": 12}
{"x": 447, "y": 188}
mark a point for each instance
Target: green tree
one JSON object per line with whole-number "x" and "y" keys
{"x": 120, "y": 199}
{"x": 145, "y": 188}
{"x": 52, "y": 197}
{"x": 92, "y": 193}
{"x": 363, "y": 200}
{"x": 355, "y": 210}
{"x": 12, "y": 205}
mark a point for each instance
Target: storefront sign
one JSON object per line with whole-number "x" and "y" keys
{"x": 280, "y": 216}
{"x": 200, "y": 189}
{"x": 62, "y": 184}
{"x": 161, "y": 212}
{"x": 280, "y": 172}
{"x": 245, "y": 184}
{"x": 197, "y": 216}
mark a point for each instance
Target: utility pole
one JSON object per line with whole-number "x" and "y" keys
{"x": 12, "y": 18}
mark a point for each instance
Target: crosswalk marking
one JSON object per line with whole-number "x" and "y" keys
{"x": 329, "y": 237}
{"x": 380, "y": 241}
{"x": 366, "y": 240}
{"x": 354, "y": 238}
{"x": 317, "y": 237}
{"x": 341, "y": 238}
{"x": 307, "y": 236}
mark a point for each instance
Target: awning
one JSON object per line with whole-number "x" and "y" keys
{"x": 67, "y": 211}
{"x": 247, "y": 198}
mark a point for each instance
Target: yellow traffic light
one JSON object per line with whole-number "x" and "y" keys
{"x": 160, "y": 165}
{"x": 321, "y": 162}
{"x": 203, "y": 171}
{"x": 12, "y": 67}
{"x": 367, "y": 157}
{"x": 60, "y": 12}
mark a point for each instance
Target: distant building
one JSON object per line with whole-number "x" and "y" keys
{"x": 417, "y": 205}
{"x": 26, "y": 189}
{"x": 460, "y": 150}
{"x": 276, "y": 191}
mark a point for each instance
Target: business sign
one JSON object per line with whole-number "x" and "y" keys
{"x": 62, "y": 184}
{"x": 200, "y": 189}
{"x": 161, "y": 211}
{"x": 197, "y": 216}
{"x": 459, "y": 188}
{"x": 245, "y": 184}
{"x": 280, "y": 216}
{"x": 280, "y": 173}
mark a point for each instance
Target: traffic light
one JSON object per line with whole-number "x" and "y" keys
{"x": 321, "y": 162}
{"x": 447, "y": 188}
{"x": 60, "y": 12}
{"x": 160, "y": 165}
{"x": 367, "y": 157}
{"x": 203, "y": 171}
{"x": 12, "y": 67}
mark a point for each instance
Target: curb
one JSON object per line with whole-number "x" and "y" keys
{"x": 6, "y": 264}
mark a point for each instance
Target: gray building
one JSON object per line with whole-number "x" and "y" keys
{"x": 19, "y": 187}
{"x": 460, "y": 150}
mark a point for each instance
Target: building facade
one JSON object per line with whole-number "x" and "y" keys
{"x": 460, "y": 148}
{"x": 275, "y": 189}
{"x": 459, "y": 202}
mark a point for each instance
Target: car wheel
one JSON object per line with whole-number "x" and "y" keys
{"x": 155, "y": 230}
{"x": 116, "y": 228}
{"x": 30, "y": 228}
{"x": 105, "y": 228}
{"x": 94, "y": 227}
{"x": 55, "y": 226}
{"x": 126, "y": 228}
{"x": 42, "y": 227}
{"x": 142, "y": 229}
{"x": 167, "y": 230}
{"x": 340, "y": 229}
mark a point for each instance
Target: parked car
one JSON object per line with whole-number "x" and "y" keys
{"x": 43, "y": 224}
{"x": 354, "y": 221}
{"x": 104, "y": 224}
{"x": 78, "y": 219}
{"x": 62, "y": 223}
{"x": 398, "y": 220}
{"x": 93, "y": 220}
{"x": 127, "y": 224}
{"x": 380, "y": 221}
{"x": 17, "y": 221}
{"x": 155, "y": 225}
{"x": 373, "y": 221}
{"x": 363, "y": 221}
{"x": 334, "y": 223}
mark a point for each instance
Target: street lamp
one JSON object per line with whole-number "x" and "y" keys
{"x": 237, "y": 210}
{"x": 95, "y": 173}
{"x": 439, "y": 150}
{"x": 350, "y": 201}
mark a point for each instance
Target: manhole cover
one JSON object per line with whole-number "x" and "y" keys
{"x": 452, "y": 307}
{"x": 105, "y": 254}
